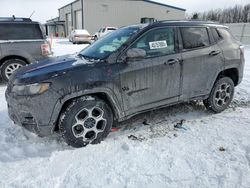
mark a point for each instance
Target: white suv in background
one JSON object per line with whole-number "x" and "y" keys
{"x": 104, "y": 31}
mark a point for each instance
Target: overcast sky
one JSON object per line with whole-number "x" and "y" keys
{"x": 47, "y": 9}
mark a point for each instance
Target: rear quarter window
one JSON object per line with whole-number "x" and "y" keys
{"x": 19, "y": 31}
{"x": 194, "y": 37}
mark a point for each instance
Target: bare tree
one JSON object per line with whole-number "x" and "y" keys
{"x": 236, "y": 14}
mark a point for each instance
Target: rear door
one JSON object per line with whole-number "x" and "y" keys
{"x": 202, "y": 61}
{"x": 155, "y": 79}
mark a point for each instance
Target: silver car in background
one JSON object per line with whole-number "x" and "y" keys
{"x": 80, "y": 36}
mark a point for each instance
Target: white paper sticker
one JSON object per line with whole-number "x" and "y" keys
{"x": 158, "y": 44}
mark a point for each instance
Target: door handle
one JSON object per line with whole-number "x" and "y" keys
{"x": 171, "y": 62}
{"x": 214, "y": 53}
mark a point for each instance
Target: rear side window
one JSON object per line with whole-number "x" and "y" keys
{"x": 194, "y": 37}
{"x": 18, "y": 31}
{"x": 217, "y": 37}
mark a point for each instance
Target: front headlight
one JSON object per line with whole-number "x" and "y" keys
{"x": 32, "y": 89}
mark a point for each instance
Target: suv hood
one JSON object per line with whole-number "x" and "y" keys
{"x": 48, "y": 68}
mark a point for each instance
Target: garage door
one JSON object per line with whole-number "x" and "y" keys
{"x": 68, "y": 23}
{"x": 78, "y": 19}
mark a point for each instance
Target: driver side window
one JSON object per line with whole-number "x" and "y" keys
{"x": 158, "y": 42}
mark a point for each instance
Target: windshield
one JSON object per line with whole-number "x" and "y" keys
{"x": 102, "y": 48}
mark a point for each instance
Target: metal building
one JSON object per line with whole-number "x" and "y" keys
{"x": 94, "y": 14}
{"x": 55, "y": 27}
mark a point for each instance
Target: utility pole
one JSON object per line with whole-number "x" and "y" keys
{"x": 82, "y": 14}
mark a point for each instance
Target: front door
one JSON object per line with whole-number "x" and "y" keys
{"x": 154, "y": 79}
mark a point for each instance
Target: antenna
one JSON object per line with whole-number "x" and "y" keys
{"x": 32, "y": 14}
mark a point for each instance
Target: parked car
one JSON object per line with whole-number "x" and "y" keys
{"x": 104, "y": 31}
{"x": 22, "y": 42}
{"x": 80, "y": 36}
{"x": 135, "y": 69}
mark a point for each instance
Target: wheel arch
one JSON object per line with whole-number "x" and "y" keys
{"x": 13, "y": 57}
{"x": 101, "y": 95}
{"x": 232, "y": 73}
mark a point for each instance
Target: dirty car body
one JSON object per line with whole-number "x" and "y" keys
{"x": 135, "y": 69}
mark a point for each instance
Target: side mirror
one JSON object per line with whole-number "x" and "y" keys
{"x": 135, "y": 53}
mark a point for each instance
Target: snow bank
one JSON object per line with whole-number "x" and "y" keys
{"x": 211, "y": 150}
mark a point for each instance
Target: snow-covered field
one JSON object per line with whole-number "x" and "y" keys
{"x": 211, "y": 150}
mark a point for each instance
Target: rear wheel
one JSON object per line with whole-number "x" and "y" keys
{"x": 86, "y": 120}
{"x": 9, "y": 67}
{"x": 221, "y": 95}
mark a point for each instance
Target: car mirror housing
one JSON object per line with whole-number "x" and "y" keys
{"x": 135, "y": 53}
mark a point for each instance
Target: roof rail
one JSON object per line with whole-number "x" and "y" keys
{"x": 13, "y": 18}
{"x": 187, "y": 20}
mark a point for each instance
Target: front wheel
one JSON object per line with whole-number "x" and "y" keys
{"x": 9, "y": 67}
{"x": 221, "y": 95}
{"x": 87, "y": 120}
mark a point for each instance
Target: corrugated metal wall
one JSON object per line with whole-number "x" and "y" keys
{"x": 117, "y": 13}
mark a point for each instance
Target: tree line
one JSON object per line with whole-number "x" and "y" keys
{"x": 236, "y": 14}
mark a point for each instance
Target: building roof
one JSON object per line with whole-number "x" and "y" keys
{"x": 148, "y": 1}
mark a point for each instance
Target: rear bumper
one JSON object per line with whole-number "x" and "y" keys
{"x": 84, "y": 40}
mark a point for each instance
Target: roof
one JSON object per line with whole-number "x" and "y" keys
{"x": 148, "y": 1}
{"x": 14, "y": 19}
{"x": 17, "y": 20}
{"x": 69, "y": 4}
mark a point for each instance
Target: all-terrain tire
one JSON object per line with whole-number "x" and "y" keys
{"x": 221, "y": 95}
{"x": 86, "y": 120}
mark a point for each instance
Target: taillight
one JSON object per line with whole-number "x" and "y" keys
{"x": 45, "y": 49}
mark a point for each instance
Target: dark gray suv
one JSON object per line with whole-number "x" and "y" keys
{"x": 22, "y": 42}
{"x": 135, "y": 69}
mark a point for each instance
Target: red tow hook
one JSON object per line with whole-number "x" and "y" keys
{"x": 114, "y": 129}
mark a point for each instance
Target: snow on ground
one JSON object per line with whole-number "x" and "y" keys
{"x": 63, "y": 46}
{"x": 161, "y": 156}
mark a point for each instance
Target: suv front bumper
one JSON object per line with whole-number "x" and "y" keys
{"x": 32, "y": 112}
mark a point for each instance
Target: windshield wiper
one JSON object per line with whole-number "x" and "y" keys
{"x": 91, "y": 58}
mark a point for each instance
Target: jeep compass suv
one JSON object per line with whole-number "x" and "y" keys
{"x": 22, "y": 42}
{"x": 132, "y": 70}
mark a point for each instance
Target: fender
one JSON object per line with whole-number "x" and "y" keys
{"x": 19, "y": 53}
{"x": 115, "y": 105}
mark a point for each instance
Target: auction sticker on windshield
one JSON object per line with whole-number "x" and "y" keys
{"x": 158, "y": 44}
